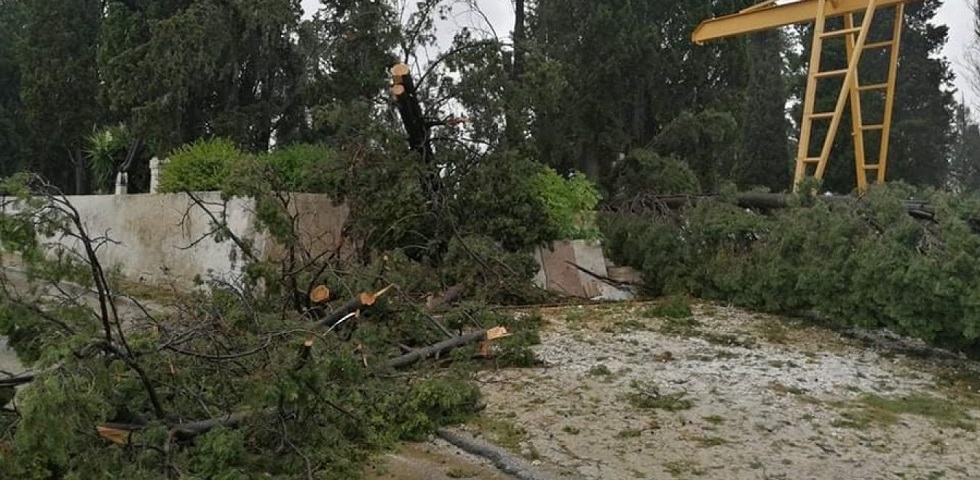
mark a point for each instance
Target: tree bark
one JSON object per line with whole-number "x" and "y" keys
{"x": 436, "y": 349}
{"x": 359, "y": 302}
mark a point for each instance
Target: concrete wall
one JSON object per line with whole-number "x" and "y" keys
{"x": 160, "y": 238}
{"x": 558, "y": 271}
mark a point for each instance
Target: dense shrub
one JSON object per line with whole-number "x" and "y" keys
{"x": 218, "y": 164}
{"x": 865, "y": 263}
{"x": 200, "y": 166}
{"x": 497, "y": 199}
{"x": 643, "y": 172}
{"x": 569, "y": 202}
{"x": 306, "y": 167}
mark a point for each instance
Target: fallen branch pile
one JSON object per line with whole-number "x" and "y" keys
{"x": 301, "y": 384}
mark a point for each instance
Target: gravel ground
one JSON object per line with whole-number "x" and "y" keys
{"x": 727, "y": 394}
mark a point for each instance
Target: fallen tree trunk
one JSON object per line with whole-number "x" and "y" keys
{"x": 771, "y": 201}
{"x": 17, "y": 380}
{"x": 435, "y": 303}
{"x": 445, "y": 346}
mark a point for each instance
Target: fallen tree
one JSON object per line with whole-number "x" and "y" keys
{"x": 919, "y": 209}
{"x": 869, "y": 263}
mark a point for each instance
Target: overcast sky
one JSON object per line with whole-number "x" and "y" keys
{"x": 954, "y": 13}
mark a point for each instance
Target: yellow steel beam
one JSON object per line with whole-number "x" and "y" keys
{"x": 769, "y": 15}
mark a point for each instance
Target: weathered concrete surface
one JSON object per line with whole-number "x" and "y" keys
{"x": 558, "y": 272}
{"x": 161, "y": 238}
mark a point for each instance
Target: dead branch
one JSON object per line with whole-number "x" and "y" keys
{"x": 222, "y": 225}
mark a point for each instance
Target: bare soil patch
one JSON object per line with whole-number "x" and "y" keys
{"x": 654, "y": 391}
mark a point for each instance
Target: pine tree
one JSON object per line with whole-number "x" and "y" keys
{"x": 175, "y": 71}
{"x": 12, "y": 129}
{"x": 615, "y": 73}
{"x": 59, "y": 86}
{"x": 765, "y": 158}
{"x": 965, "y": 162}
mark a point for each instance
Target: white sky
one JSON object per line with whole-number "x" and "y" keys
{"x": 954, "y": 13}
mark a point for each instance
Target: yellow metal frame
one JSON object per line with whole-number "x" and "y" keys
{"x": 768, "y": 15}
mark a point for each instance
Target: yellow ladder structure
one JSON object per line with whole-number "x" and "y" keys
{"x": 768, "y": 15}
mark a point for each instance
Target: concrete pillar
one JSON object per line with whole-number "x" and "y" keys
{"x": 155, "y": 165}
{"x": 122, "y": 183}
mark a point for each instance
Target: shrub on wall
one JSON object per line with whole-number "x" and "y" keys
{"x": 218, "y": 164}
{"x": 200, "y": 166}
{"x": 307, "y": 168}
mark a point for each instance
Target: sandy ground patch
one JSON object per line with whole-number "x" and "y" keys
{"x": 628, "y": 393}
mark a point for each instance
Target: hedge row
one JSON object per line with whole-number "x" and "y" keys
{"x": 864, "y": 263}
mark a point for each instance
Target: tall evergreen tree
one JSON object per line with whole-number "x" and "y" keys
{"x": 12, "y": 129}
{"x": 59, "y": 86}
{"x": 349, "y": 47}
{"x": 765, "y": 159}
{"x": 625, "y": 70}
{"x": 965, "y": 161}
{"x": 177, "y": 70}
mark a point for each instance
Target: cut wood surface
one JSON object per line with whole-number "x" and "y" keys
{"x": 359, "y": 302}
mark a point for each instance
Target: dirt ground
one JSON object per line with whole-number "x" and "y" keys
{"x": 630, "y": 392}
{"x": 434, "y": 460}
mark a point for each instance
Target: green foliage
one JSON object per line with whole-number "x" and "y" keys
{"x": 13, "y": 130}
{"x": 853, "y": 264}
{"x": 203, "y": 165}
{"x": 675, "y": 307}
{"x": 498, "y": 198}
{"x": 570, "y": 203}
{"x": 306, "y": 168}
{"x": 701, "y": 140}
{"x": 765, "y": 157}
{"x": 59, "y": 85}
{"x": 433, "y": 402}
{"x": 965, "y": 163}
{"x": 489, "y": 271}
{"x": 219, "y": 165}
{"x": 231, "y": 347}
{"x": 644, "y": 172}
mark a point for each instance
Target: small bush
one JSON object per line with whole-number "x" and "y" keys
{"x": 200, "y": 166}
{"x": 569, "y": 202}
{"x": 308, "y": 168}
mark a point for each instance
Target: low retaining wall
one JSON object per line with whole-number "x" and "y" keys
{"x": 161, "y": 238}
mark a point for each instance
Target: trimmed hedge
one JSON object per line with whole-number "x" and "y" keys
{"x": 218, "y": 164}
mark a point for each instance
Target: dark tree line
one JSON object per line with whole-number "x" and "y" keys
{"x": 577, "y": 85}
